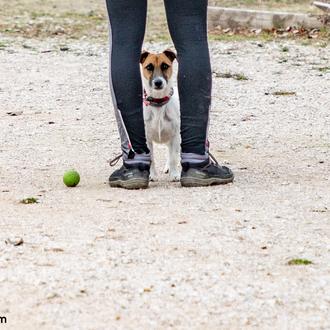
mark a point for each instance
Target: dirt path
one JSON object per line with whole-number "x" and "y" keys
{"x": 209, "y": 258}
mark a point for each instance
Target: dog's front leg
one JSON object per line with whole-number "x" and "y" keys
{"x": 153, "y": 172}
{"x": 174, "y": 158}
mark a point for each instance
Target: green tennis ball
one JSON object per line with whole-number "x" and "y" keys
{"x": 71, "y": 178}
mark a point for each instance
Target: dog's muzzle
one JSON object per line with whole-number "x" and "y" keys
{"x": 158, "y": 83}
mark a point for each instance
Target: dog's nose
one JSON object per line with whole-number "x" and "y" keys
{"x": 158, "y": 83}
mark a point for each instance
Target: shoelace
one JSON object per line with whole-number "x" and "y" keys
{"x": 212, "y": 161}
{"x": 213, "y": 158}
{"x": 114, "y": 161}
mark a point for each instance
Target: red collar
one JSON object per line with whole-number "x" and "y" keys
{"x": 149, "y": 100}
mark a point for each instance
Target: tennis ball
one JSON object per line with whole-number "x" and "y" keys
{"x": 71, "y": 178}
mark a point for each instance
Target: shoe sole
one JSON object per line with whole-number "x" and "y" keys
{"x": 130, "y": 184}
{"x": 196, "y": 182}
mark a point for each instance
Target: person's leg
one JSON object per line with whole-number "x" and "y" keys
{"x": 187, "y": 22}
{"x": 127, "y": 20}
{"x": 127, "y": 27}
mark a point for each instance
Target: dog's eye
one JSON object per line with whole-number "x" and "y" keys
{"x": 164, "y": 66}
{"x": 150, "y": 67}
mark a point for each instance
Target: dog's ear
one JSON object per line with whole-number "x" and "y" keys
{"x": 143, "y": 56}
{"x": 170, "y": 54}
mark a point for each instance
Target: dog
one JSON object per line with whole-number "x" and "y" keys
{"x": 161, "y": 109}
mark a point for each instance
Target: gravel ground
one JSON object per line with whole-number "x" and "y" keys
{"x": 168, "y": 257}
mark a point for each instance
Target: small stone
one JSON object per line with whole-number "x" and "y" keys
{"x": 17, "y": 241}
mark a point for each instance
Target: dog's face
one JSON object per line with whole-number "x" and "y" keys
{"x": 157, "y": 71}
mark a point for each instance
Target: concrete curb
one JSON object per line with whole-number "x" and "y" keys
{"x": 247, "y": 18}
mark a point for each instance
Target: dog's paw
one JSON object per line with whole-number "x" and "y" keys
{"x": 153, "y": 176}
{"x": 175, "y": 176}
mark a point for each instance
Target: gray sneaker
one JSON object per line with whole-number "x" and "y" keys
{"x": 131, "y": 176}
{"x": 204, "y": 174}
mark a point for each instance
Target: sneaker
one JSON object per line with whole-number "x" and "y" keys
{"x": 131, "y": 176}
{"x": 205, "y": 174}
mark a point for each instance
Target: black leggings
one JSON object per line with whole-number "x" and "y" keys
{"x": 187, "y": 20}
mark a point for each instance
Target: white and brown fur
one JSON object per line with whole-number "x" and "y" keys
{"x": 162, "y": 123}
